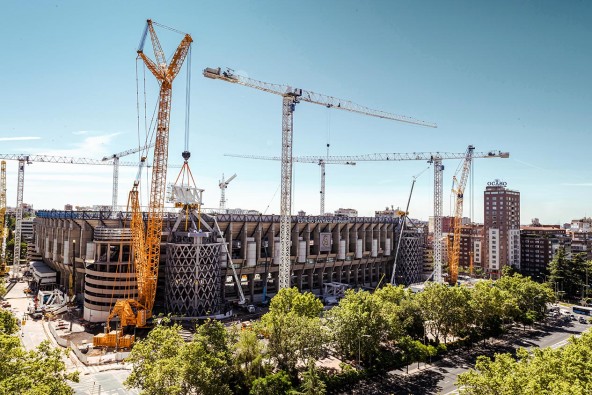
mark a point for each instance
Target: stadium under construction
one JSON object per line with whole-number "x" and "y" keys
{"x": 199, "y": 277}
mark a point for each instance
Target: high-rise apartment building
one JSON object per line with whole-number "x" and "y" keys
{"x": 501, "y": 215}
{"x": 538, "y": 246}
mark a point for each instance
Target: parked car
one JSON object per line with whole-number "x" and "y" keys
{"x": 582, "y": 320}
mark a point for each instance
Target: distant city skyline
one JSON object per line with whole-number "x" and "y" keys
{"x": 506, "y": 76}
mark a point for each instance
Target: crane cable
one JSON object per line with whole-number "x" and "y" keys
{"x": 187, "y": 99}
{"x": 404, "y": 219}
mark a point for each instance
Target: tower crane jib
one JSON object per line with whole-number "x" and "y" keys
{"x": 435, "y": 158}
{"x": 115, "y": 159}
{"x": 290, "y": 97}
{"x": 24, "y": 159}
{"x": 223, "y": 184}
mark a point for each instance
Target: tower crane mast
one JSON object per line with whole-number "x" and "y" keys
{"x": 223, "y": 184}
{"x": 321, "y": 161}
{"x": 29, "y": 159}
{"x": 291, "y": 97}
{"x": 432, "y": 157}
{"x": 115, "y": 159}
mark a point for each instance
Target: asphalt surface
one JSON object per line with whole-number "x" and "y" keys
{"x": 104, "y": 379}
{"x": 440, "y": 377}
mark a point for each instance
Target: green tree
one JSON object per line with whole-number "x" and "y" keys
{"x": 528, "y": 298}
{"x": 37, "y": 372}
{"x": 543, "y": 372}
{"x": 248, "y": 355}
{"x": 294, "y": 329}
{"x": 401, "y": 312}
{"x": 209, "y": 363}
{"x": 311, "y": 382}
{"x": 567, "y": 276}
{"x": 290, "y": 300}
{"x": 358, "y": 325}
{"x": 274, "y": 384}
{"x": 411, "y": 350}
{"x": 445, "y": 310}
{"x": 164, "y": 364}
{"x": 157, "y": 365}
{"x": 489, "y": 305}
{"x": 8, "y": 322}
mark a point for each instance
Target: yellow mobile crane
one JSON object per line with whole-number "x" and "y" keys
{"x": 146, "y": 245}
{"x": 459, "y": 190}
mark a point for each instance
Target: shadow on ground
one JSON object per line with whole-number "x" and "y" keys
{"x": 423, "y": 382}
{"x": 428, "y": 381}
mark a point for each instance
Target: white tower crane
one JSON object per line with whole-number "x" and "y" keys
{"x": 432, "y": 157}
{"x": 291, "y": 97}
{"x": 115, "y": 158}
{"x": 28, "y": 159}
{"x": 321, "y": 161}
{"x": 223, "y": 184}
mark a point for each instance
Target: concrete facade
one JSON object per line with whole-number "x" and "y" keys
{"x": 95, "y": 248}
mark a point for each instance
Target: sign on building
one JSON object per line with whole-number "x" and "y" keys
{"x": 325, "y": 242}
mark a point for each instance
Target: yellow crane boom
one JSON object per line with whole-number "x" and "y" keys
{"x": 148, "y": 258}
{"x": 146, "y": 242}
{"x": 459, "y": 191}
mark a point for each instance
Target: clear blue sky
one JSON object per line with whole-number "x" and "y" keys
{"x": 514, "y": 76}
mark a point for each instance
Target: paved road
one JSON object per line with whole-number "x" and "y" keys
{"x": 108, "y": 377}
{"x": 441, "y": 378}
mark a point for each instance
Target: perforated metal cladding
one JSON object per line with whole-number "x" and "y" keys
{"x": 193, "y": 285}
{"x": 410, "y": 261}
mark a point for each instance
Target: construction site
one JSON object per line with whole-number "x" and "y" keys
{"x": 123, "y": 268}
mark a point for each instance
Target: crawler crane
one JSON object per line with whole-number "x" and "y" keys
{"x": 146, "y": 245}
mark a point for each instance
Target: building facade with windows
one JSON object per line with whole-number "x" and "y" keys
{"x": 538, "y": 246}
{"x": 501, "y": 228}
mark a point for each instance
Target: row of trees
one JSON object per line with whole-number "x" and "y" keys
{"x": 545, "y": 371}
{"x": 569, "y": 276}
{"x": 389, "y": 326}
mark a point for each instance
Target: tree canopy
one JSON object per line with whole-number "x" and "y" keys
{"x": 36, "y": 372}
{"x": 545, "y": 371}
{"x": 568, "y": 276}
